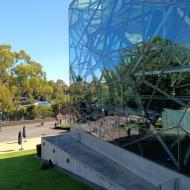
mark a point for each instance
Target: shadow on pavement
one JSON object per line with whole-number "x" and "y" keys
{"x": 7, "y": 151}
{"x": 12, "y": 143}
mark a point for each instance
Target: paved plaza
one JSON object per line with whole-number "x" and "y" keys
{"x": 34, "y": 132}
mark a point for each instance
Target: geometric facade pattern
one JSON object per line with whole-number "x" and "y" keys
{"x": 134, "y": 55}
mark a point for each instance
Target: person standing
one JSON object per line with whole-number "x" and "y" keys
{"x": 20, "y": 139}
{"x": 24, "y": 133}
{"x": 129, "y": 132}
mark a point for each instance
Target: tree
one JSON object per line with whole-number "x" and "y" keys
{"x": 23, "y": 81}
{"x": 60, "y": 89}
{"x": 5, "y": 99}
{"x": 6, "y": 62}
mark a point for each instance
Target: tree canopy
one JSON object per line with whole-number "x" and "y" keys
{"x": 23, "y": 81}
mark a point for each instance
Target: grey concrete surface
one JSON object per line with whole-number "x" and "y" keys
{"x": 10, "y": 133}
{"x": 148, "y": 170}
{"x": 82, "y": 180}
{"x": 91, "y": 165}
{"x": 108, "y": 165}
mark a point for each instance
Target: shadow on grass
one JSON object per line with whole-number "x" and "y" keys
{"x": 23, "y": 172}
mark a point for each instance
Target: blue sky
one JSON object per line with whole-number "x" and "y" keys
{"x": 40, "y": 27}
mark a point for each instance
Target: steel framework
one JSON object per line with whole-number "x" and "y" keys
{"x": 122, "y": 51}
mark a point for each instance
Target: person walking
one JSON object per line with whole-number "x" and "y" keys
{"x": 24, "y": 132}
{"x": 20, "y": 139}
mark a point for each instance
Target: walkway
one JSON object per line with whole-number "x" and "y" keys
{"x": 30, "y": 144}
{"x": 34, "y": 132}
{"x": 9, "y": 134}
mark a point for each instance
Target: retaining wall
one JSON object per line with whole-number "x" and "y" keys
{"x": 70, "y": 163}
{"x": 148, "y": 170}
{"x": 157, "y": 175}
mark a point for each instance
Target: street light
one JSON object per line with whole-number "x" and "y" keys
{"x": 0, "y": 116}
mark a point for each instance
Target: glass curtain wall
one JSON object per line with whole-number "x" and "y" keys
{"x": 130, "y": 75}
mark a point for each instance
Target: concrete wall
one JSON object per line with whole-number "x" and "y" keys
{"x": 144, "y": 168}
{"x": 60, "y": 158}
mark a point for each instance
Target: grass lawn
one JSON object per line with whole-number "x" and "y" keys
{"x": 21, "y": 171}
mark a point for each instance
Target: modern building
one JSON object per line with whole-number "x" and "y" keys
{"x": 127, "y": 54}
{"x": 129, "y": 64}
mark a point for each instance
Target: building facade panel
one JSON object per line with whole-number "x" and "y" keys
{"x": 130, "y": 60}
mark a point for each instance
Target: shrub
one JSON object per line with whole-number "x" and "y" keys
{"x": 38, "y": 112}
{"x": 63, "y": 127}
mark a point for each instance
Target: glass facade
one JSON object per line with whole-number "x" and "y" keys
{"x": 130, "y": 75}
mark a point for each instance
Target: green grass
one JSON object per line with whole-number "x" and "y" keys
{"x": 21, "y": 171}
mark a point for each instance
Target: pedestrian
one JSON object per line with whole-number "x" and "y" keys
{"x": 55, "y": 124}
{"x": 129, "y": 132}
{"x": 20, "y": 139}
{"x": 50, "y": 163}
{"x": 24, "y": 133}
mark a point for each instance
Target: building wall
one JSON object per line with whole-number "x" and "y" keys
{"x": 75, "y": 166}
{"x": 144, "y": 168}
{"x": 109, "y": 41}
{"x": 131, "y": 54}
{"x": 156, "y": 175}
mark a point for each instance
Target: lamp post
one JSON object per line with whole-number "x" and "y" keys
{"x": 0, "y": 116}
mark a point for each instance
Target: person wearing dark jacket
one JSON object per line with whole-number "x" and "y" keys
{"x": 24, "y": 133}
{"x": 129, "y": 132}
{"x": 20, "y": 139}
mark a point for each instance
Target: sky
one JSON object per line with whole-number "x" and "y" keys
{"x": 39, "y": 27}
